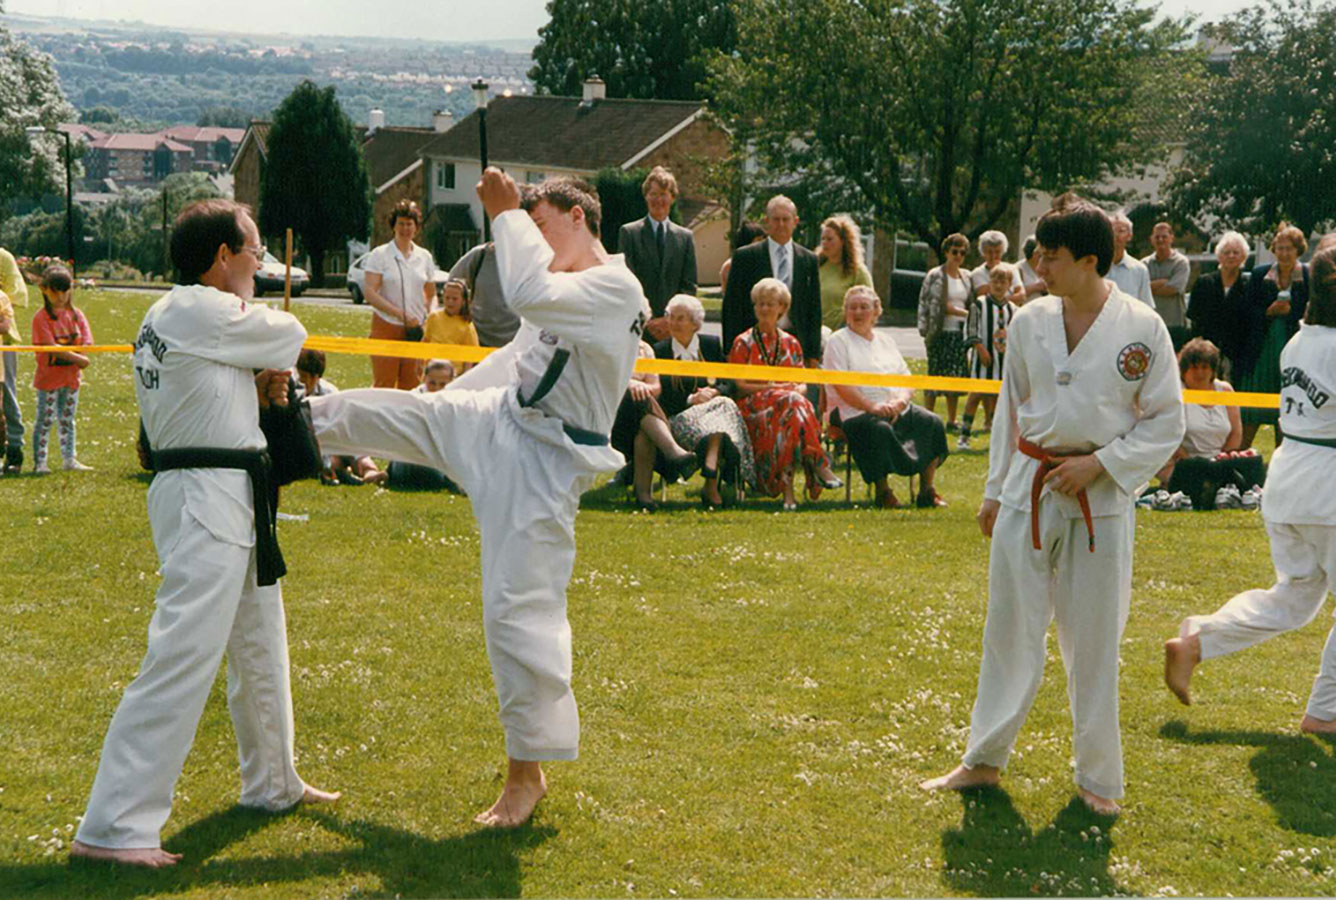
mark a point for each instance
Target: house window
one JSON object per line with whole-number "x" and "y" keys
{"x": 445, "y": 176}
{"x": 533, "y": 177}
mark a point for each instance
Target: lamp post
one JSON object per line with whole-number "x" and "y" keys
{"x": 480, "y": 101}
{"x": 69, "y": 187}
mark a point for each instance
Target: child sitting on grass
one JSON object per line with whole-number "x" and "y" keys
{"x": 451, "y": 323}
{"x": 338, "y": 469}
{"x": 986, "y": 336}
{"x": 58, "y": 375}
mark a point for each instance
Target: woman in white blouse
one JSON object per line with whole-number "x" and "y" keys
{"x": 400, "y": 287}
{"x": 887, "y": 433}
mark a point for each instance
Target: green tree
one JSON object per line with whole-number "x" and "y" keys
{"x": 315, "y": 181}
{"x": 1259, "y": 147}
{"x": 30, "y": 95}
{"x": 644, "y": 50}
{"x": 224, "y": 117}
{"x": 934, "y": 115}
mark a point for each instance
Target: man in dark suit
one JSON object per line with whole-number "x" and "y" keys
{"x": 777, "y": 257}
{"x": 660, "y": 253}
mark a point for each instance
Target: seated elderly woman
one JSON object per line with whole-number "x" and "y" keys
{"x": 701, "y": 415}
{"x": 887, "y": 433}
{"x": 784, "y": 427}
{"x": 641, "y": 434}
{"x": 1209, "y": 468}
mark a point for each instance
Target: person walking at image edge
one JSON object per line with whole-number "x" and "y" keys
{"x": 15, "y": 288}
{"x": 1090, "y": 409}
{"x": 1299, "y": 509}
{"x": 194, "y": 361}
{"x": 524, "y": 433}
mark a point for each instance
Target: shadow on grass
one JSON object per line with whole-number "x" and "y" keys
{"x": 479, "y": 864}
{"x": 1296, "y": 774}
{"x": 994, "y": 853}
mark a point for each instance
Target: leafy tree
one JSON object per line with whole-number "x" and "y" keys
{"x": 224, "y": 117}
{"x": 30, "y": 95}
{"x": 933, "y": 115}
{"x": 315, "y": 181}
{"x": 98, "y": 115}
{"x": 1259, "y": 144}
{"x": 656, "y": 50}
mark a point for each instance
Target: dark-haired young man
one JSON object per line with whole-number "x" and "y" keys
{"x": 1090, "y": 409}
{"x": 194, "y": 362}
{"x": 524, "y": 434}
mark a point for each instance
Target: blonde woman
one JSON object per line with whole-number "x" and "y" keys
{"x": 841, "y": 267}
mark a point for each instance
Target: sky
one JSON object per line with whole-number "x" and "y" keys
{"x": 444, "y": 20}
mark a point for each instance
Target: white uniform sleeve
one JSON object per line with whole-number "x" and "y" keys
{"x": 556, "y": 301}
{"x": 496, "y": 369}
{"x": 253, "y": 336}
{"x": 378, "y": 422}
{"x": 1015, "y": 389}
{"x": 1132, "y": 459}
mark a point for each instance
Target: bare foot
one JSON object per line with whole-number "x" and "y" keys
{"x": 1102, "y": 805}
{"x": 1314, "y": 725}
{"x": 525, "y": 786}
{"x": 315, "y": 795}
{"x": 149, "y": 857}
{"x": 378, "y": 477}
{"x": 1181, "y": 655}
{"x": 962, "y": 777}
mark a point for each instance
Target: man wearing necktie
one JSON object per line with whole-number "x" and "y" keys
{"x": 783, "y": 258}
{"x": 661, "y": 254}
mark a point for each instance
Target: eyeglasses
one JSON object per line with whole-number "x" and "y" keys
{"x": 956, "y": 252}
{"x": 257, "y": 252}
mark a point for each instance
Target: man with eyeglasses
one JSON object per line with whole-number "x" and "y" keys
{"x": 210, "y": 507}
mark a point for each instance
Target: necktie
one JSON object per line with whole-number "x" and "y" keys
{"x": 659, "y": 229}
{"x": 783, "y": 271}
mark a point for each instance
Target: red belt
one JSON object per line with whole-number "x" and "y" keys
{"x": 1047, "y": 463}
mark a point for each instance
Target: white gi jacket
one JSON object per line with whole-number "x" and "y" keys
{"x": 193, "y": 361}
{"x": 1118, "y": 395}
{"x": 1298, "y": 484}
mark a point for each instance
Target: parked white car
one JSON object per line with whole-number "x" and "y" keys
{"x": 270, "y": 277}
{"x": 357, "y": 279}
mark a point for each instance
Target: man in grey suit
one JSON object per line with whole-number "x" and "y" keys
{"x": 660, "y": 253}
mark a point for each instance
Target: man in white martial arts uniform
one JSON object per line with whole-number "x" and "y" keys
{"x": 524, "y": 434}
{"x": 1090, "y": 409}
{"x": 194, "y": 361}
{"x": 1299, "y": 508}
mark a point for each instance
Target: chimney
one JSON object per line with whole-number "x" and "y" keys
{"x": 442, "y": 119}
{"x": 594, "y": 89}
{"x": 374, "y": 120}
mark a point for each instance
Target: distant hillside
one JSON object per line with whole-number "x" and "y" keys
{"x": 150, "y": 76}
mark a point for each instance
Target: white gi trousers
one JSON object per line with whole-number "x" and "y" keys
{"x": 208, "y": 602}
{"x": 1089, "y": 594}
{"x": 1305, "y": 560}
{"x": 524, "y": 478}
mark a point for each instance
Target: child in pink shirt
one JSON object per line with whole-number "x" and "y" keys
{"x": 58, "y": 374}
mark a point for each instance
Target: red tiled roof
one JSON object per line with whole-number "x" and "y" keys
{"x": 145, "y": 142}
{"x": 197, "y": 133}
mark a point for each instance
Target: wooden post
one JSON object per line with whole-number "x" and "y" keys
{"x": 287, "y": 271}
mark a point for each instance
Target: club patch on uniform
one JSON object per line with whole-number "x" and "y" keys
{"x": 1134, "y": 361}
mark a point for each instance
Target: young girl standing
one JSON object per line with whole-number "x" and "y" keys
{"x": 451, "y": 324}
{"x": 58, "y": 374}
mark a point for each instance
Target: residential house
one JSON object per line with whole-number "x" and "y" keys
{"x": 136, "y": 159}
{"x": 534, "y": 138}
{"x": 213, "y": 147}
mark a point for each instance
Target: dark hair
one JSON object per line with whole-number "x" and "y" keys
{"x": 1198, "y": 351}
{"x": 747, "y": 234}
{"x": 200, "y": 230}
{"x": 1027, "y": 249}
{"x": 954, "y": 240}
{"x": 312, "y": 362}
{"x": 58, "y": 279}
{"x": 1080, "y": 226}
{"x": 406, "y": 209}
{"x": 565, "y": 193}
{"x": 1322, "y": 289}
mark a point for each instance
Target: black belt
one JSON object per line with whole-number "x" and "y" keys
{"x": 545, "y": 384}
{"x": 269, "y": 565}
{"x": 1317, "y": 442}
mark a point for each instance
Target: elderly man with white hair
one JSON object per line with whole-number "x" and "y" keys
{"x": 701, "y": 414}
{"x": 1217, "y": 299}
{"x": 1126, "y": 271}
{"x": 993, "y": 246}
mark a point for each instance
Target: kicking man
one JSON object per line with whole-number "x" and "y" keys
{"x": 1090, "y": 409}
{"x": 524, "y": 434}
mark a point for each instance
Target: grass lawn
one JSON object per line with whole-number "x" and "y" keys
{"x": 760, "y": 693}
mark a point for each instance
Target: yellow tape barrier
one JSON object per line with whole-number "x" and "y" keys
{"x": 405, "y": 350}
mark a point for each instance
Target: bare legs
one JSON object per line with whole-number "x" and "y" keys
{"x": 653, "y": 438}
{"x": 952, "y": 398}
{"x": 525, "y": 786}
{"x": 710, "y": 492}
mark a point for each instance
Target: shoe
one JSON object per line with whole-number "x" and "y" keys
{"x": 963, "y": 442}
{"x": 13, "y": 460}
{"x": 887, "y": 500}
{"x": 790, "y": 507}
{"x": 41, "y": 469}
{"x": 346, "y": 477}
{"x": 831, "y": 482}
{"x": 1146, "y": 500}
{"x": 73, "y": 465}
{"x": 682, "y": 468}
{"x": 952, "y": 427}
{"x": 1167, "y": 502}
{"x": 648, "y": 506}
{"x": 1228, "y": 497}
{"x": 1251, "y": 498}
{"x": 929, "y": 499}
